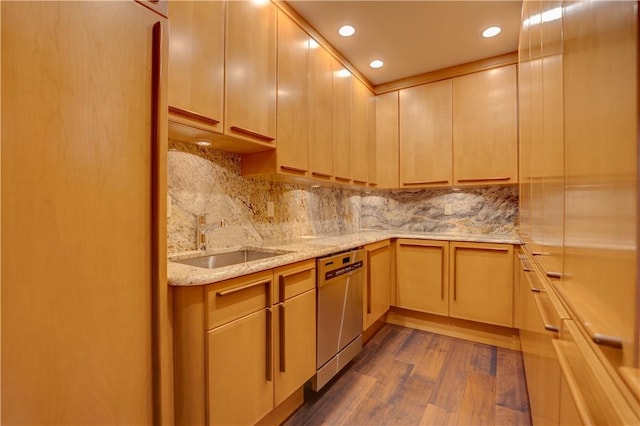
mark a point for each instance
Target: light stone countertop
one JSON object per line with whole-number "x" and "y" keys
{"x": 304, "y": 248}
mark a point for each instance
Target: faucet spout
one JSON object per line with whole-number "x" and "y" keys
{"x": 202, "y": 227}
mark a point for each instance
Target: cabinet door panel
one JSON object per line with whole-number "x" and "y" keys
{"x": 295, "y": 353}
{"x": 425, "y": 135}
{"x": 423, "y": 274}
{"x": 377, "y": 291}
{"x": 239, "y": 370}
{"x": 321, "y": 103}
{"x": 342, "y": 91}
{"x": 359, "y": 132}
{"x": 293, "y": 97}
{"x": 482, "y": 282}
{"x": 387, "y": 162}
{"x": 250, "y": 98}
{"x": 485, "y": 127}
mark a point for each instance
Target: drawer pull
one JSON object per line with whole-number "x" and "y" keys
{"x": 193, "y": 115}
{"x": 252, "y": 133}
{"x": 426, "y": 182}
{"x": 241, "y": 288}
{"x": 269, "y": 346}
{"x": 543, "y": 315}
{"x": 322, "y": 175}
{"x": 293, "y": 169}
{"x": 554, "y": 275}
{"x": 484, "y": 179}
{"x": 540, "y": 253}
{"x": 369, "y": 281}
{"x": 604, "y": 340}
{"x": 283, "y": 343}
{"x": 343, "y": 179}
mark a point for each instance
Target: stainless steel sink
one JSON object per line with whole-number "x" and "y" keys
{"x": 225, "y": 259}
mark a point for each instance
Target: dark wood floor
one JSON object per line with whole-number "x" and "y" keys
{"x": 411, "y": 377}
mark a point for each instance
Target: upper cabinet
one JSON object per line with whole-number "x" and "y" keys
{"x": 485, "y": 127}
{"x": 359, "y": 131}
{"x": 223, "y": 78}
{"x": 196, "y": 58}
{"x": 386, "y": 133}
{"x": 342, "y": 96}
{"x": 425, "y": 135}
{"x": 321, "y": 121}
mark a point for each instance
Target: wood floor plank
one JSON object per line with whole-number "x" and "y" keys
{"x": 433, "y": 359}
{"x": 434, "y": 415}
{"x": 414, "y": 348}
{"x": 508, "y": 417}
{"x": 511, "y": 385}
{"x": 390, "y": 379}
{"x": 450, "y": 388}
{"x": 478, "y": 402}
{"x": 484, "y": 359}
{"x": 410, "y": 401}
{"x": 369, "y": 411}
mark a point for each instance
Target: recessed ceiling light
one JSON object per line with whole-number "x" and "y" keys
{"x": 376, "y": 63}
{"x": 491, "y": 32}
{"x": 346, "y": 31}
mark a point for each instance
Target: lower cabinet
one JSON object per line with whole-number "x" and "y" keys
{"x": 259, "y": 344}
{"x": 471, "y": 281}
{"x": 423, "y": 275}
{"x": 377, "y": 291}
{"x": 481, "y": 282}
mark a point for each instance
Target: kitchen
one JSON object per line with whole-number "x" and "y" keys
{"x": 78, "y": 240}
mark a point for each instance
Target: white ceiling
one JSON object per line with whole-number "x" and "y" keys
{"x": 413, "y": 37}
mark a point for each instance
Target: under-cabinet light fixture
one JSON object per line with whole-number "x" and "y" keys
{"x": 202, "y": 142}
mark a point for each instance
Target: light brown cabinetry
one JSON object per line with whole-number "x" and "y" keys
{"x": 485, "y": 127}
{"x": 423, "y": 276}
{"x": 377, "y": 291}
{"x": 481, "y": 282}
{"x": 321, "y": 120}
{"x": 359, "y": 132}
{"x": 249, "y": 341}
{"x": 196, "y": 61}
{"x": 291, "y": 157}
{"x": 342, "y": 96}
{"x": 426, "y": 145}
{"x": 386, "y": 134}
{"x": 85, "y": 84}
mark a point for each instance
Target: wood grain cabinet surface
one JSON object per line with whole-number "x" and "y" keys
{"x": 377, "y": 291}
{"x": 343, "y": 82}
{"x": 426, "y": 143}
{"x": 423, "y": 276}
{"x": 249, "y": 341}
{"x": 386, "y": 134}
{"x": 481, "y": 282}
{"x": 485, "y": 127}
{"x": 359, "y": 132}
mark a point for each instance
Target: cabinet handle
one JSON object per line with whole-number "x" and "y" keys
{"x": 269, "y": 346}
{"x": 427, "y": 182}
{"x": 368, "y": 281}
{"x": 560, "y": 348}
{"x": 193, "y": 115}
{"x": 455, "y": 264}
{"x": 155, "y": 178}
{"x": 343, "y": 179}
{"x": 540, "y": 253}
{"x": 244, "y": 287}
{"x": 556, "y": 275}
{"x": 293, "y": 169}
{"x": 252, "y": 133}
{"x": 360, "y": 182}
{"x": 283, "y": 344}
{"x": 322, "y": 175}
{"x": 484, "y": 179}
{"x": 543, "y": 314}
{"x": 442, "y": 278}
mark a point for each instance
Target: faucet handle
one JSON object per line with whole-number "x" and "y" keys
{"x": 201, "y": 219}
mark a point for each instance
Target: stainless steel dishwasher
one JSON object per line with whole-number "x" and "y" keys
{"x": 339, "y": 325}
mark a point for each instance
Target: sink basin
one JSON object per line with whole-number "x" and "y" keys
{"x": 225, "y": 259}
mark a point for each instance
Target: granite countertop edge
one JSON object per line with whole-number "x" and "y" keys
{"x": 304, "y": 248}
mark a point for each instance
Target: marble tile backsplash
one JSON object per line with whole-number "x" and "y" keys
{"x": 209, "y": 181}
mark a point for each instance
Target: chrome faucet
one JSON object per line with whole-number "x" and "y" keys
{"x": 202, "y": 227}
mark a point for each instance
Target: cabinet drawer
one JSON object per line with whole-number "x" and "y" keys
{"x": 232, "y": 299}
{"x": 291, "y": 280}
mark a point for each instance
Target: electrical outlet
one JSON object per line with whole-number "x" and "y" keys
{"x": 270, "y": 209}
{"x": 447, "y": 209}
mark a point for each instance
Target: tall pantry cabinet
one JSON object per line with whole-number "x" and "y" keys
{"x": 83, "y": 245}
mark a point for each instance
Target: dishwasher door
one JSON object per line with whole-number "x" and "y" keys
{"x": 339, "y": 333}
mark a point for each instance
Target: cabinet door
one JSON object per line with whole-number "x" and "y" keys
{"x": 250, "y": 98}
{"x": 196, "y": 63}
{"x": 485, "y": 127}
{"x": 81, "y": 83}
{"x": 387, "y": 140}
{"x": 481, "y": 282}
{"x": 425, "y": 135}
{"x": 321, "y": 103}
{"x": 295, "y": 348}
{"x": 293, "y": 98}
{"x": 342, "y": 83}
{"x": 377, "y": 291}
{"x": 240, "y": 370}
{"x": 359, "y": 132}
{"x": 422, "y": 276}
